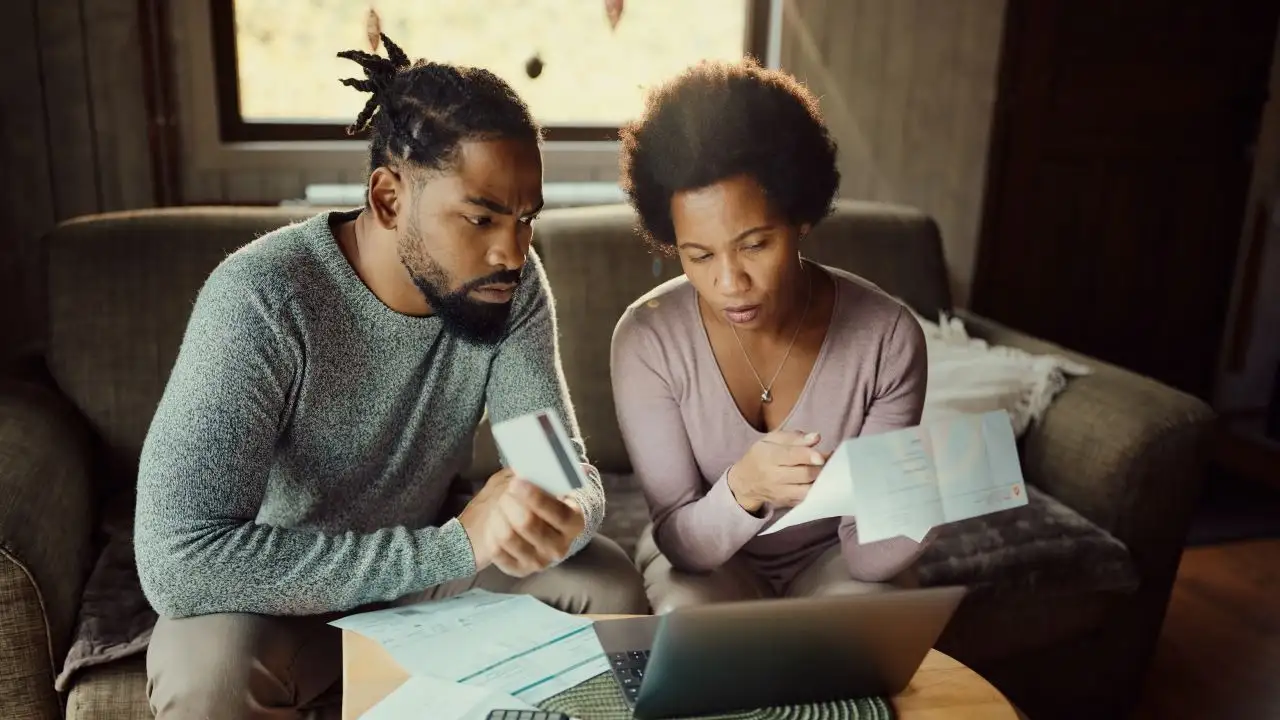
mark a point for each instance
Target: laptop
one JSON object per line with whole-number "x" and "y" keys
{"x": 738, "y": 656}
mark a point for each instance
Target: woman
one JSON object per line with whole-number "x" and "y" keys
{"x": 734, "y": 382}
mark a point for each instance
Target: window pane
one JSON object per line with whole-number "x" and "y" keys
{"x": 590, "y": 75}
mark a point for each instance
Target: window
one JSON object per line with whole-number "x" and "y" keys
{"x": 278, "y": 75}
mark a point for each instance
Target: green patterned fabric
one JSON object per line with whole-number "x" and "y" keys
{"x": 600, "y": 699}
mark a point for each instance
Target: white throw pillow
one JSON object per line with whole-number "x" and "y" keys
{"x": 967, "y": 375}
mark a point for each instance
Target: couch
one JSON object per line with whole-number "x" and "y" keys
{"x": 1068, "y": 595}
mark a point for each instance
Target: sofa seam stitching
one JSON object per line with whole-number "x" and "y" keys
{"x": 44, "y": 610}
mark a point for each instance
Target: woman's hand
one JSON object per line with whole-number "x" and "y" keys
{"x": 778, "y": 469}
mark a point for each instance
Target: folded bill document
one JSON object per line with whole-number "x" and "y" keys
{"x": 423, "y": 696}
{"x": 908, "y": 481}
{"x": 537, "y": 447}
{"x": 479, "y": 651}
{"x": 512, "y": 644}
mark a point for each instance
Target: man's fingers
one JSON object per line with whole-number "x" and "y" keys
{"x": 514, "y": 546}
{"x": 516, "y": 552}
{"x": 546, "y": 541}
{"x": 547, "y": 507}
{"x": 510, "y": 565}
{"x": 498, "y": 481}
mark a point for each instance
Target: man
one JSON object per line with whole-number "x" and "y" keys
{"x": 325, "y": 396}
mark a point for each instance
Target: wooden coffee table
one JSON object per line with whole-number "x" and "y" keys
{"x": 942, "y": 688}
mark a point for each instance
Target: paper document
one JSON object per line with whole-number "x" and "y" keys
{"x": 513, "y": 644}
{"x": 537, "y": 447}
{"x": 424, "y": 697}
{"x": 908, "y": 481}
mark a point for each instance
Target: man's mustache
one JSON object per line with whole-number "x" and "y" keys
{"x": 501, "y": 277}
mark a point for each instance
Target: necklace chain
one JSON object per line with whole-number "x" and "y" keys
{"x": 766, "y": 394}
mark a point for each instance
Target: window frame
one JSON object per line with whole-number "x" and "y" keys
{"x": 233, "y": 128}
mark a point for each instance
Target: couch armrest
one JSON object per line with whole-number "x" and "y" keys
{"x": 1127, "y": 452}
{"x": 45, "y": 541}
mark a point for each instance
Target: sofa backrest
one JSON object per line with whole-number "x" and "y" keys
{"x": 121, "y": 287}
{"x": 120, "y": 291}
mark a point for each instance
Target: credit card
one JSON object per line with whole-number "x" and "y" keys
{"x": 537, "y": 447}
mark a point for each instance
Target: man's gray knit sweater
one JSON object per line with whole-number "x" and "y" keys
{"x": 308, "y": 435}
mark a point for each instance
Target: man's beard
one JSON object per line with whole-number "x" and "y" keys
{"x": 474, "y": 320}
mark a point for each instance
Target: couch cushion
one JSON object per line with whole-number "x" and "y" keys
{"x": 26, "y": 689}
{"x": 598, "y": 265}
{"x": 121, "y": 287}
{"x": 115, "y": 619}
{"x": 112, "y": 692}
{"x": 118, "y": 691}
{"x": 1042, "y": 548}
{"x": 626, "y": 514}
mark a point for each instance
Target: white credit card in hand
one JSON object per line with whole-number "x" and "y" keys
{"x": 538, "y": 449}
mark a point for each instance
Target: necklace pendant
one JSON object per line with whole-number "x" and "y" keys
{"x": 766, "y": 397}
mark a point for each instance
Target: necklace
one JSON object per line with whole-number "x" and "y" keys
{"x": 766, "y": 394}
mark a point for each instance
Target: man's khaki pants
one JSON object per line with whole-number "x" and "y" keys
{"x": 239, "y": 665}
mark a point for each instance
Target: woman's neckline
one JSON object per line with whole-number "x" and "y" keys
{"x": 818, "y": 362}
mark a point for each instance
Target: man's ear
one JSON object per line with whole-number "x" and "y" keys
{"x": 804, "y": 230}
{"x": 386, "y": 197}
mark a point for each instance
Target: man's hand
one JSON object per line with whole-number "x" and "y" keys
{"x": 518, "y": 527}
{"x": 474, "y": 517}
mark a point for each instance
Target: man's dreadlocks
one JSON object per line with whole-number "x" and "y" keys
{"x": 420, "y": 111}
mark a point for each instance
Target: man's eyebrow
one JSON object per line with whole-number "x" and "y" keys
{"x": 490, "y": 205}
{"x": 501, "y": 209}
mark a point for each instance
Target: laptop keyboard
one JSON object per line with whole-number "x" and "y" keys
{"x": 628, "y": 669}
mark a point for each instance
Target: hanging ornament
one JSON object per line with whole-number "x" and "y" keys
{"x": 373, "y": 29}
{"x": 613, "y": 8}
{"x": 533, "y": 67}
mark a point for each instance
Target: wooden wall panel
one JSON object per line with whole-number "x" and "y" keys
{"x": 270, "y": 186}
{"x": 862, "y": 65}
{"x": 285, "y": 185}
{"x": 244, "y": 187}
{"x": 73, "y": 138}
{"x": 26, "y": 197}
{"x": 201, "y": 187}
{"x": 113, "y": 49}
{"x": 1142, "y": 116}
{"x": 1252, "y": 341}
{"x": 908, "y": 88}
